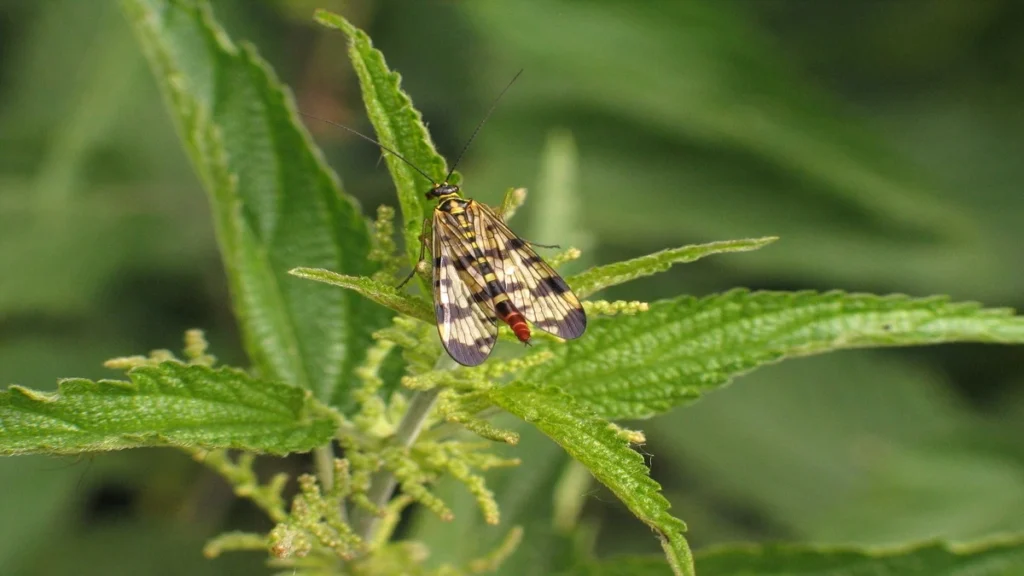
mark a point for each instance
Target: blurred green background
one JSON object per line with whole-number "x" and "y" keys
{"x": 880, "y": 140}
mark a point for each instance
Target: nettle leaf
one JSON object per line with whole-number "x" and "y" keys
{"x": 170, "y": 404}
{"x": 383, "y": 294}
{"x": 276, "y": 204}
{"x": 599, "y": 446}
{"x": 399, "y": 126}
{"x": 601, "y": 277}
{"x": 990, "y": 559}
{"x": 638, "y": 366}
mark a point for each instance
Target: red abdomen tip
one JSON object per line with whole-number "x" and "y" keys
{"x": 519, "y": 327}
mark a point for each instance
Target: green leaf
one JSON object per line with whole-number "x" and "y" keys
{"x": 276, "y": 204}
{"x": 383, "y": 294}
{"x": 601, "y": 277}
{"x": 171, "y": 404}
{"x": 599, "y": 447}
{"x": 399, "y": 126}
{"x": 937, "y": 559}
{"x": 638, "y": 366}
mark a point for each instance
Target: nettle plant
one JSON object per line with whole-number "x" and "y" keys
{"x": 313, "y": 290}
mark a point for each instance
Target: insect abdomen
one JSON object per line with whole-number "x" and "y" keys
{"x": 508, "y": 314}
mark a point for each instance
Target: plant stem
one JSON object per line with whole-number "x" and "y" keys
{"x": 383, "y": 483}
{"x": 323, "y": 458}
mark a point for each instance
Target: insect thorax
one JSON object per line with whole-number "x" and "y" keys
{"x": 452, "y": 204}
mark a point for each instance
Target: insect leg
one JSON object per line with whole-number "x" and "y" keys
{"x": 423, "y": 253}
{"x": 534, "y": 244}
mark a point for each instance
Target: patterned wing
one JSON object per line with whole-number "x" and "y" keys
{"x": 466, "y": 320}
{"x": 533, "y": 286}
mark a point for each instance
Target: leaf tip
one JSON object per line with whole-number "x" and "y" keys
{"x": 34, "y": 395}
{"x": 332, "y": 20}
{"x": 310, "y": 273}
{"x": 126, "y": 362}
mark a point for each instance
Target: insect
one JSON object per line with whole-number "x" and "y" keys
{"x": 484, "y": 273}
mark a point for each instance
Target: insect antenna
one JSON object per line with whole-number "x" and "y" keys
{"x": 481, "y": 124}
{"x": 372, "y": 141}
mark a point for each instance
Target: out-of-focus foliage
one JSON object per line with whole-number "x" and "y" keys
{"x": 879, "y": 141}
{"x": 995, "y": 558}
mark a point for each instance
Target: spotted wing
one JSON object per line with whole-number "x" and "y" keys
{"x": 533, "y": 286}
{"x": 465, "y": 314}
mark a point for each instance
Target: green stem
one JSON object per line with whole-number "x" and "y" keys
{"x": 323, "y": 458}
{"x": 383, "y": 483}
